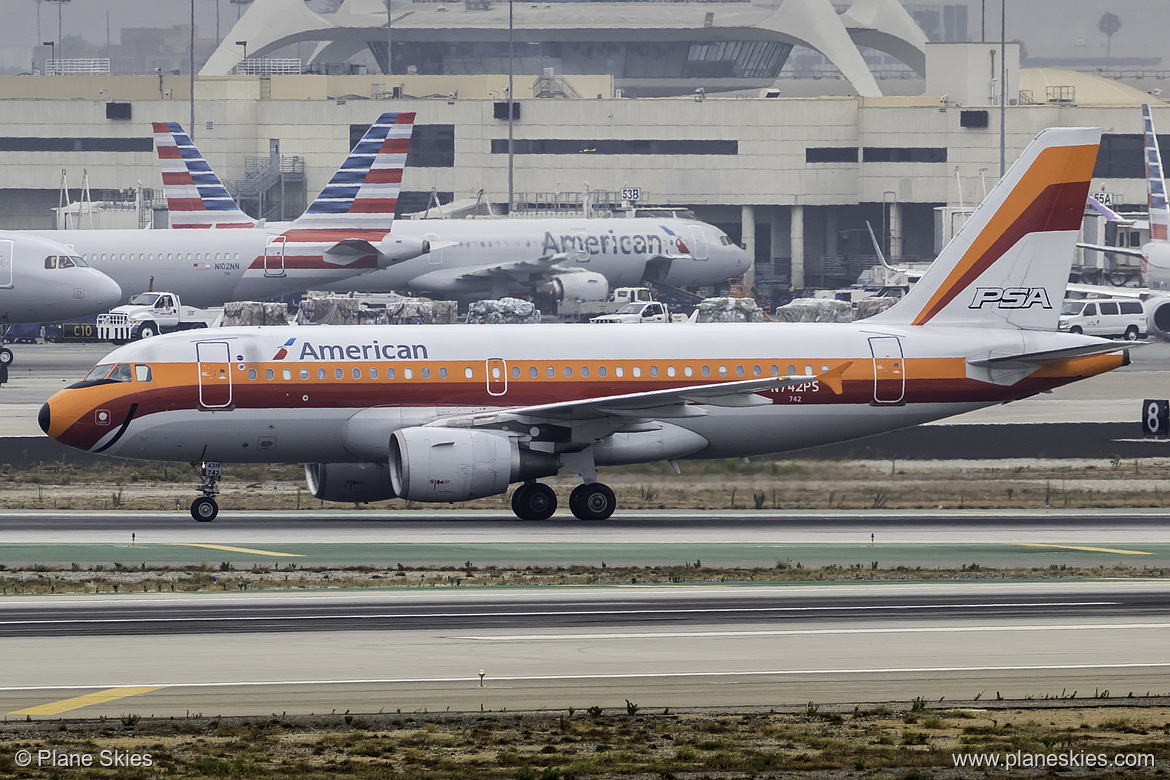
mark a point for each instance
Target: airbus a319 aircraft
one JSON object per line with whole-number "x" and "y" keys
{"x": 469, "y": 259}
{"x": 450, "y": 413}
{"x": 345, "y": 232}
{"x": 45, "y": 281}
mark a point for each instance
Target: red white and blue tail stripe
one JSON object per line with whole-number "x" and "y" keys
{"x": 1159, "y": 214}
{"x": 364, "y": 191}
{"x": 195, "y": 196}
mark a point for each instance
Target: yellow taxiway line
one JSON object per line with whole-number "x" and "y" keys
{"x": 248, "y": 550}
{"x": 1087, "y": 549}
{"x": 77, "y": 702}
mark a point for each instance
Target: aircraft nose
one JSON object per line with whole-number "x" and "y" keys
{"x": 107, "y": 291}
{"x": 44, "y": 417}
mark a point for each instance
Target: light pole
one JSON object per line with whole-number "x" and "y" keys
{"x": 52, "y": 53}
{"x": 191, "y": 58}
{"x": 1002, "y": 86}
{"x": 511, "y": 105}
{"x": 245, "y": 45}
{"x": 59, "y": 3}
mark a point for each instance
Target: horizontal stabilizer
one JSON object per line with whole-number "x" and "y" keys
{"x": 1111, "y": 250}
{"x": 1055, "y": 355}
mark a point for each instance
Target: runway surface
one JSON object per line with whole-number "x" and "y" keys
{"x": 742, "y": 538}
{"x": 165, "y": 655}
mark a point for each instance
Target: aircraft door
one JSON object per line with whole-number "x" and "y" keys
{"x": 435, "y": 256}
{"x": 215, "y": 374}
{"x": 497, "y": 376}
{"x": 274, "y": 255}
{"x": 6, "y": 261}
{"x": 699, "y": 248}
{"x": 889, "y": 376}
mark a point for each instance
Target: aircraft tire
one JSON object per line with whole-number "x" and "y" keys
{"x": 592, "y": 501}
{"x": 204, "y": 509}
{"x": 6, "y": 356}
{"x": 534, "y": 501}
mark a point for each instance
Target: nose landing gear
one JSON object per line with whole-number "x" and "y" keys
{"x": 205, "y": 509}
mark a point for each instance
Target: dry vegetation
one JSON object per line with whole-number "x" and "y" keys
{"x": 913, "y": 741}
{"x": 723, "y": 484}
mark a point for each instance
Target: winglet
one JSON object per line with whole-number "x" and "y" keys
{"x": 196, "y": 198}
{"x": 832, "y": 379}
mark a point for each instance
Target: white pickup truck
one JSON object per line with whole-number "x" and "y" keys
{"x": 638, "y": 312}
{"x": 149, "y": 314}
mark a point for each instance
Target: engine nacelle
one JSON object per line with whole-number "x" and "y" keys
{"x": 1158, "y": 316}
{"x": 349, "y": 482}
{"x": 456, "y": 464}
{"x": 579, "y": 286}
{"x": 395, "y": 249}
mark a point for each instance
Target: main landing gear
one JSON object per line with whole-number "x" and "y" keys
{"x": 537, "y": 501}
{"x": 205, "y": 509}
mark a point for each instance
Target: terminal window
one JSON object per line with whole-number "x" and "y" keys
{"x": 830, "y": 154}
{"x": 615, "y": 146}
{"x": 910, "y": 154}
{"x": 1121, "y": 156}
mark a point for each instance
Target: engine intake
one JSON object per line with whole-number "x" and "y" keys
{"x": 349, "y": 482}
{"x": 455, "y": 464}
{"x": 396, "y": 249}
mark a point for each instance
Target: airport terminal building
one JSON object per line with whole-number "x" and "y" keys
{"x": 794, "y": 177}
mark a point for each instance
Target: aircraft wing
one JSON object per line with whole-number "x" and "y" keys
{"x": 1053, "y": 355}
{"x": 1112, "y": 250}
{"x": 622, "y": 409}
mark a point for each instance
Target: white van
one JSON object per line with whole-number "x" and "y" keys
{"x": 1112, "y": 318}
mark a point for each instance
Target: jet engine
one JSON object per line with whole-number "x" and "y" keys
{"x": 456, "y": 464}
{"x": 1158, "y": 312}
{"x": 578, "y": 286}
{"x": 349, "y": 482}
{"x": 396, "y": 249}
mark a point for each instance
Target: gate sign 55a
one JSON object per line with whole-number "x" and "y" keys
{"x": 1156, "y": 418}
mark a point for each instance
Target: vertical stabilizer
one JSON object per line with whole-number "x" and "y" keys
{"x": 363, "y": 194}
{"x": 1156, "y": 184}
{"x": 1009, "y": 265}
{"x": 196, "y": 198}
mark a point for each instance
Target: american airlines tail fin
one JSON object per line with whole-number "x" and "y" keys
{"x": 1009, "y": 265}
{"x": 195, "y": 196}
{"x": 1156, "y": 184}
{"x": 363, "y": 194}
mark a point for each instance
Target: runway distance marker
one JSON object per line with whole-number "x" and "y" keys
{"x": 89, "y": 699}
{"x": 1086, "y": 549}
{"x": 226, "y": 548}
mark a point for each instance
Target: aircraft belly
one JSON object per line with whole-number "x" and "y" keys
{"x": 734, "y": 433}
{"x": 238, "y": 436}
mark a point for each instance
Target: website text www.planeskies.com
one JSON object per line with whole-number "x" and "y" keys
{"x": 1068, "y": 759}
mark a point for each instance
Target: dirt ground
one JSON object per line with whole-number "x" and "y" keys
{"x": 912, "y": 740}
{"x": 725, "y": 484}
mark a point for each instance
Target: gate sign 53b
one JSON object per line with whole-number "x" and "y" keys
{"x": 1156, "y": 418}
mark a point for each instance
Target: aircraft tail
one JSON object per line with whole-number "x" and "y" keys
{"x": 1156, "y": 183}
{"x": 1009, "y": 265}
{"x": 363, "y": 193}
{"x": 195, "y": 196}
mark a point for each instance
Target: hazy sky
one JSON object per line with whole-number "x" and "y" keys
{"x": 1143, "y": 31}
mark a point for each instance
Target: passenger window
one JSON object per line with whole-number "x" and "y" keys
{"x": 808, "y": 370}
{"x": 121, "y": 373}
{"x": 552, "y": 372}
{"x": 706, "y": 371}
{"x": 373, "y": 373}
{"x": 357, "y": 373}
{"x": 338, "y": 373}
{"x": 269, "y": 374}
{"x": 637, "y": 371}
{"x": 251, "y": 372}
{"x": 568, "y": 372}
{"x": 601, "y": 371}
{"x": 532, "y": 372}
{"x": 584, "y": 371}
{"x": 791, "y": 370}
{"x": 619, "y": 372}
{"x": 442, "y": 373}
{"x": 287, "y": 374}
{"x": 425, "y": 373}
{"x": 757, "y": 371}
{"x": 305, "y": 373}
{"x": 775, "y": 370}
{"x": 722, "y": 370}
{"x": 687, "y": 371}
{"x": 739, "y": 370}
{"x": 320, "y": 373}
{"x": 1108, "y": 307}
{"x": 468, "y": 373}
{"x": 670, "y": 370}
{"x": 142, "y": 373}
{"x": 389, "y": 373}
{"x": 824, "y": 368}
{"x": 515, "y": 372}
{"x": 653, "y": 370}
{"x": 407, "y": 373}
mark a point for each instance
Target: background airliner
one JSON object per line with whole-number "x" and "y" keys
{"x": 452, "y": 414}
{"x": 570, "y": 259}
{"x": 345, "y": 232}
{"x": 42, "y": 280}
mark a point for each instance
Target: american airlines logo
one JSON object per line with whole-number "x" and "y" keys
{"x": 611, "y": 243}
{"x": 283, "y": 351}
{"x": 1010, "y": 298}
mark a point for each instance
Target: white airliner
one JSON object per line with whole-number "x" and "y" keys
{"x": 569, "y": 259}
{"x": 45, "y": 281}
{"x": 453, "y": 413}
{"x": 345, "y": 232}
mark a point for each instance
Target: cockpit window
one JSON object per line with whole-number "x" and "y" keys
{"x": 64, "y": 261}
{"x": 144, "y": 299}
{"x": 142, "y": 373}
{"x": 51, "y": 261}
{"x": 121, "y": 373}
{"x": 98, "y": 372}
{"x": 725, "y": 241}
{"x": 78, "y": 261}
